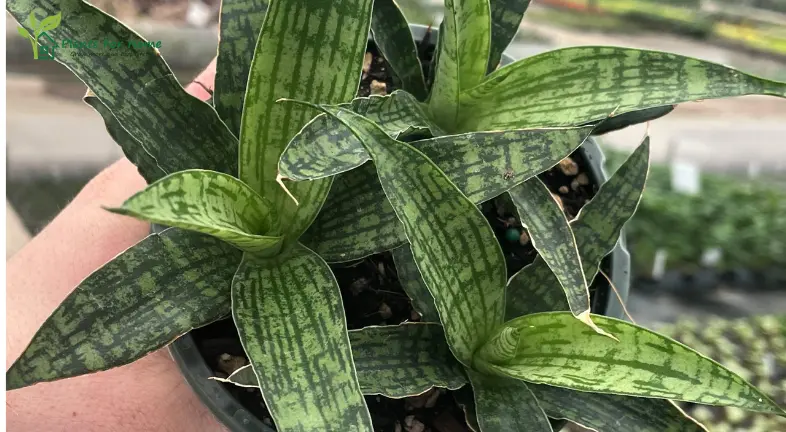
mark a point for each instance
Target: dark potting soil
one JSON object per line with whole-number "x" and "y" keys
{"x": 372, "y": 294}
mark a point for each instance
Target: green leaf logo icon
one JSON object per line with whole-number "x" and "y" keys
{"x": 48, "y": 23}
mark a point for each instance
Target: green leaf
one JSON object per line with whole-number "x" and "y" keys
{"x": 291, "y": 322}
{"x": 394, "y": 40}
{"x": 558, "y": 350}
{"x": 613, "y": 413}
{"x": 394, "y": 361}
{"x": 465, "y": 398}
{"x": 31, "y": 20}
{"x": 178, "y": 130}
{"x": 465, "y": 38}
{"x": 22, "y": 32}
{"x": 307, "y": 49}
{"x": 49, "y": 23}
{"x": 357, "y": 221}
{"x": 143, "y": 299}
{"x": 241, "y": 22}
{"x": 506, "y": 405}
{"x": 506, "y": 18}
{"x": 596, "y": 229}
{"x": 583, "y": 84}
{"x": 132, "y": 149}
{"x": 210, "y": 203}
{"x": 413, "y": 284}
{"x": 618, "y": 122}
{"x": 552, "y": 237}
{"x": 451, "y": 241}
{"x": 325, "y": 147}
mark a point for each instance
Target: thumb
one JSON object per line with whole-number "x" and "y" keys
{"x": 203, "y": 82}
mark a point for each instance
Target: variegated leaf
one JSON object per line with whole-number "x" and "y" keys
{"x": 132, "y": 148}
{"x": 325, "y": 147}
{"x": 451, "y": 241}
{"x": 210, "y": 203}
{"x": 613, "y": 413}
{"x": 506, "y": 18}
{"x": 506, "y": 405}
{"x": 357, "y": 221}
{"x": 241, "y": 22}
{"x": 583, "y": 84}
{"x": 178, "y": 130}
{"x": 291, "y": 322}
{"x": 413, "y": 284}
{"x": 552, "y": 237}
{"x": 558, "y": 350}
{"x": 465, "y": 40}
{"x": 391, "y": 34}
{"x": 596, "y": 229}
{"x": 622, "y": 121}
{"x": 143, "y": 299}
{"x": 394, "y": 361}
{"x": 309, "y": 49}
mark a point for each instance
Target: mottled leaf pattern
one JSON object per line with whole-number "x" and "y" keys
{"x": 241, "y": 22}
{"x": 552, "y": 237}
{"x": 506, "y": 18}
{"x": 451, "y": 241}
{"x": 210, "y": 203}
{"x": 142, "y": 300}
{"x": 465, "y": 38}
{"x": 325, "y": 147}
{"x": 613, "y": 413}
{"x": 291, "y": 323}
{"x": 357, "y": 220}
{"x": 557, "y": 349}
{"x": 391, "y": 34}
{"x": 308, "y": 49}
{"x": 596, "y": 229}
{"x": 394, "y": 361}
{"x": 132, "y": 149}
{"x": 622, "y": 121}
{"x": 578, "y": 85}
{"x": 506, "y": 405}
{"x": 178, "y": 130}
{"x": 413, "y": 284}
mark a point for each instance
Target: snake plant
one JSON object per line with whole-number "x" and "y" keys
{"x": 259, "y": 195}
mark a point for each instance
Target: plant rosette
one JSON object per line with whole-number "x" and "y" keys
{"x": 285, "y": 172}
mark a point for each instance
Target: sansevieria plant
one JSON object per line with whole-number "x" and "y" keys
{"x": 240, "y": 181}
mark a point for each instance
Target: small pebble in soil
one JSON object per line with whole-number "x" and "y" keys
{"x": 378, "y": 88}
{"x": 228, "y": 363}
{"x": 523, "y": 238}
{"x": 384, "y": 311}
{"x": 564, "y": 190}
{"x": 413, "y": 424}
{"x": 569, "y": 167}
{"x": 583, "y": 179}
{"x": 574, "y": 184}
{"x": 367, "y": 62}
{"x": 512, "y": 235}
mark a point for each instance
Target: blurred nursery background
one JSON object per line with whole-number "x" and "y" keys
{"x": 708, "y": 242}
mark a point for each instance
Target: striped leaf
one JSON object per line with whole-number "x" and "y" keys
{"x": 307, "y": 49}
{"x": 465, "y": 398}
{"x": 132, "y": 149}
{"x": 325, "y": 147}
{"x": 357, "y": 221}
{"x": 583, "y": 84}
{"x": 558, "y": 350}
{"x": 618, "y": 122}
{"x": 391, "y": 34}
{"x": 506, "y": 405}
{"x": 143, "y": 299}
{"x": 552, "y": 237}
{"x": 453, "y": 244}
{"x": 289, "y": 315}
{"x": 413, "y": 284}
{"x": 393, "y": 361}
{"x": 241, "y": 22}
{"x": 210, "y": 203}
{"x": 465, "y": 38}
{"x": 596, "y": 229}
{"x": 506, "y": 16}
{"x": 613, "y": 413}
{"x": 178, "y": 130}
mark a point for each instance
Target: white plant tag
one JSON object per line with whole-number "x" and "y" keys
{"x": 685, "y": 178}
{"x": 711, "y": 257}
{"x": 659, "y": 264}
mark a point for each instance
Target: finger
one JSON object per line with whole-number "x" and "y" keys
{"x": 202, "y": 86}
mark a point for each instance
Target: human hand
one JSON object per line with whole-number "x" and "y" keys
{"x": 147, "y": 395}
